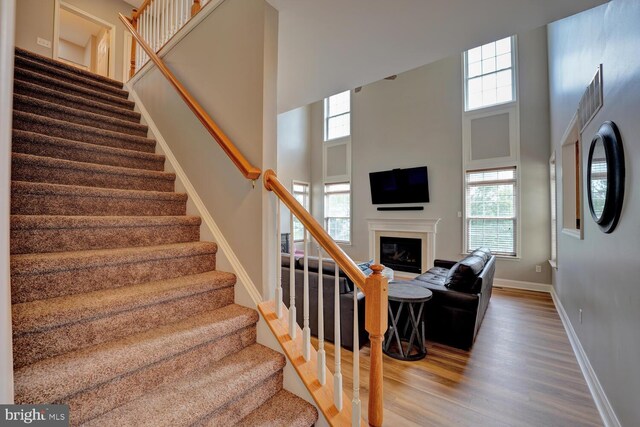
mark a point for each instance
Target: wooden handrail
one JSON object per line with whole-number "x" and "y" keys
{"x": 247, "y": 169}
{"x": 345, "y": 263}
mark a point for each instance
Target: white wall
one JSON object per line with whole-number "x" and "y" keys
{"x": 7, "y": 17}
{"x": 294, "y": 152}
{"x": 72, "y": 52}
{"x": 415, "y": 120}
{"x": 34, "y": 18}
{"x": 599, "y": 274}
{"x": 239, "y": 94}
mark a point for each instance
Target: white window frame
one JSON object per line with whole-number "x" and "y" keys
{"x": 553, "y": 206}
{"x": 517, "y": 217}
{"x": 569, "y": 180}
{"x": 514, "y": 78}
{"x": 324, "y": 208}
{"x": 306, "y": 205}
{"x": 326, "y": 118}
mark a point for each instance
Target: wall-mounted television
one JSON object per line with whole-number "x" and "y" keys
{"x": 399, "y": 186}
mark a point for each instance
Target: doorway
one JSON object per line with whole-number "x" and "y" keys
{"x": 83, "y": 40}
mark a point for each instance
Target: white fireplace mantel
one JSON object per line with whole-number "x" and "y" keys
{"x": 425, "y": 229}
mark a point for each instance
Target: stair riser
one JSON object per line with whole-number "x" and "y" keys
{"x": 47, "y": 204}
{"x": 58, "y": 283}
{"x": 64, "y": 87}
{"x": 71, "y": 78}
{"x": 80, "y": 103}
{"x": 33, "y": 172}
{"x": 244, "y": 405}
{"x": 79, "y": 117}
{"x": 96, "y": 401}
{"x": 68, "y": 68}
{"x": 70, "y": 152}
{"x": 78, "y": 239}
{"x": 29, "y": 348}
{"x": 89, "y": 135}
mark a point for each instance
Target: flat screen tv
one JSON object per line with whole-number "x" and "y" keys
{"x": 399, "y": 186}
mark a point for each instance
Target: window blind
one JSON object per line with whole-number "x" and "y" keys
{"x": 491, "y": 210}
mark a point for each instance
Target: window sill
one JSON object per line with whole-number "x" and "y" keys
{"x": 506, "y": 257}
{"x": 572, "y": 232}
{"x": 553, "y": 264}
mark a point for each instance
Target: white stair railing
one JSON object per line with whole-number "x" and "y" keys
{"x": 326, "y": 387}
{"x": 157, "y": 21}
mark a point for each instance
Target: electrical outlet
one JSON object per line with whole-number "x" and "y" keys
{"x": 580, "y": 315}
{"x": 44, "y": 42}
{"x": 538, "y": 269}
{"x": 459, "y": 214}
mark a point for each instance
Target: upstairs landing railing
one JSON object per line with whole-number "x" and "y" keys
{"x": 324, "y": 385}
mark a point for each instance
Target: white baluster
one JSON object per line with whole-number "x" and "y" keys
{"x": 292, "y": 282}
{"x": 337, "y": 376}
{"x": 306, "y": 331}
{"x": 164, "y": 22}
{"x": 322, "y": 373}
{"x": 154, "y": 26}
{"x": 355, "y": 402}
{"x": 278, "y": 263}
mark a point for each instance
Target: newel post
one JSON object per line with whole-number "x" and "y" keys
{"x": 376, "y": 291}
{"x": 195, "y": 8}
{"x": 134, "y": 24}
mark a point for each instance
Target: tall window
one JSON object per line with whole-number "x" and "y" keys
{"x": 489, "y": 74}
{"x": 337, "y": 116}
{"x": 491, "y": 210}
{"x": 301, "y": 194}
{"x": 554, "y": 215}
{"x": 337, "y": 211}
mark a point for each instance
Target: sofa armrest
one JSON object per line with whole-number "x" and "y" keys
{"x": 443, "y": 263}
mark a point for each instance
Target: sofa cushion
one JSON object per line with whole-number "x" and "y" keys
{"x": 443, "y": 296}
{"x": 462, "y": 276}
{"x": 435, "y": 275}
{"x": 484, "y": 253}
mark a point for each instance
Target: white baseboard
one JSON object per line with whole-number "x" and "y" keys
{"x": 243, "y": 277}
{"x": 605, "y": 409}
{"x": 518, "y": 284}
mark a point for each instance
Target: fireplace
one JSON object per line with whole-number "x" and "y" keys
{"x": 401, "y": 253}
{"x": 401, "y": 230}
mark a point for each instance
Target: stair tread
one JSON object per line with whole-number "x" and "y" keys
{"x": 63, "y": 74}
{"x": 192, "y": 399}
{"x": 52, "y": 162}
{"x": 29, "y": 222}
{"x": 53, "y": 379}
{"x": 34, "y": 56}
{"x": 283, "y": 409}
{"x": 39, "y": 263}
{"x": 24, "y": 74}
{"x": 25, "y": 103}
{"x": 33, "y": 137}
{"x": 41, "y": 315}
{"x": 77, "y": 101}
{"x": 77, "y": 190}
{"x": 46, "y": 123}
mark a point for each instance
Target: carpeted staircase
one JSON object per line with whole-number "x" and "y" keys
{"x": 118, "y": 309}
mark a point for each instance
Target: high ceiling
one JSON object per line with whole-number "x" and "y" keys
{"x": 326, "y": 46}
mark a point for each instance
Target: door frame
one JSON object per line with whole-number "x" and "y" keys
{"x": 59, "y": 4}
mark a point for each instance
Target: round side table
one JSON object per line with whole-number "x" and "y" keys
{"x": 412, "y": 297}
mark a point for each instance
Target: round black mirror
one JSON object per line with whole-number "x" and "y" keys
{"x": 605, "y": 177}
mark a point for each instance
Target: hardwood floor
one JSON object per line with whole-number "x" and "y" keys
{"x": 520, "y": 372}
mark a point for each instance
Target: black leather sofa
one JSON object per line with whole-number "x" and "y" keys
{"x": 346, "y": 289}
{"x": 461, "y": 294}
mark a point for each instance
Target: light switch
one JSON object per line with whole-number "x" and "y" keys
{"x": 44, "y": 42}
